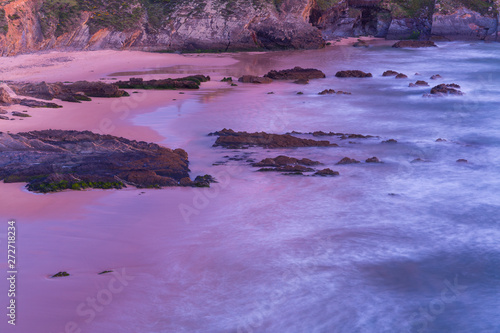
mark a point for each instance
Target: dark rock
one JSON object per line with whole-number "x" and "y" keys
{"x": 5, "y": 98}
{"x": 373, "y": 160}
{"x": 302, "y": 81}
{"x": 254, "y": 79}
{"x": 347, "y": 160}
{"x": 419, "y": 84}
{"x": 74, "y": 92}
{"x": 401, "y": 76}
{"x": 4, "y": 117}
{"x": 204, "y": 181}
{"x": 188, "y": 82}
{"x": 296, "y": 73}
{"x": 60, "y": 274}
{"x": 390, "y": 73}
{"x": 300, "y": 93}
{"x": 436, "y": 76}
{"x": 20, "y": 114}
{"x": 446, "y": 89}
{"x": 53, "y": 160}
{"x": 230, "y": 139}
{"x": 2, "y": 111}
{"x": 331, "y": 92}
{"x": 461, "y": 160}
{"x": 227, "y": 79}
{"x": 353, "y": 73}
{"x": 441, "y": 140}
{"x": 414, "y": 43}
{"x": 390, "y": 141}
{"x": 284, "y": 160}
{"x": 38, "y": 104}
{"x": 326, "y": 172}
{"x": 105, "y": 272}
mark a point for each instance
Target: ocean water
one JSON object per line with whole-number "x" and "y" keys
{"x": 401, "y": 246}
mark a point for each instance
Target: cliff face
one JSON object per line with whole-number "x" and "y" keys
{"x": 228, "y": 25}
{"x": 222, "y": 25}
{"x": 410, "y": 19}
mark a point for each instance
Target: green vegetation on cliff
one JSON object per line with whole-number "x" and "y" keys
{"x": 483, "y": 7}
{"x": 409, "y": 8}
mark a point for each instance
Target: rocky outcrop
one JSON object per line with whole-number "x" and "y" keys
{"x": 452, "y": 23}
{"x": 189, "y": 82}
{"x": 230, "y": 139}
{"x": 353, "y": 73}
{"x": 54, "y": 160}
{"x": 74, "y": 92}
{"x": 296, "y": 73}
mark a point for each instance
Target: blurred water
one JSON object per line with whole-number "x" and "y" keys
{"x": 375, "y": 250}
{"x": 395, "y": 247}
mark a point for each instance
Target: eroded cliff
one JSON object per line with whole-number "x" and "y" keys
{"x": 231, "y": 25}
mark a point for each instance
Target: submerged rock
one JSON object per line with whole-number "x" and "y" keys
{"x": 401, "y": 76}
{"x": 390, "y": 141}
{"x": 353, "y": 73}
{"x": 296, "y": 73}
{"x": 414, "y": 43}
{"x": 54, "y": 160}
{"x": 436, "y": 77}
{"x": 230, "y": 139}
{"x": 462, "y": 160}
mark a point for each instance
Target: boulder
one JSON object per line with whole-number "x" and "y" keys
{"x": 347, "y": 160}
{"x": 446, "y": 89}
{"x": 390, "y": 73}
{"x": 401, "y": 76}
{"x": 373, "y": 160}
